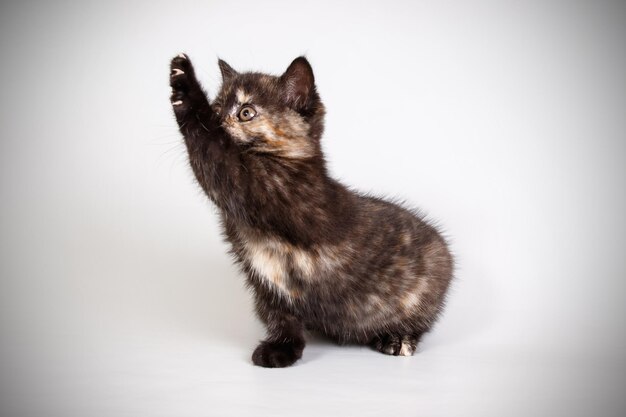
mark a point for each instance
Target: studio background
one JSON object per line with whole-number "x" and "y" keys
{"x": 504, "y": 121}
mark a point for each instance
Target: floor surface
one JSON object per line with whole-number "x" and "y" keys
{"x": 503, "y": 121}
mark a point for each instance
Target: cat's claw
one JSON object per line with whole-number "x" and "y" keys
{"x": 185, "y": 88}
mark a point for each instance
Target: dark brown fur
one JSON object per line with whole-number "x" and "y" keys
{"x": 317, "y": 255}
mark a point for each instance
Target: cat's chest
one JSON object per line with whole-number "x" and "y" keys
{"x": 275, "y": 263}
{"x": 283, "y": 267}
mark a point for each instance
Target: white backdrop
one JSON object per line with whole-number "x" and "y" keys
{"x": 504, "y": 121}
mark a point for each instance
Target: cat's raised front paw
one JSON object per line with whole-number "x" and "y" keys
{"x": 182, "y": 81}
{"x": 276, "y": 355}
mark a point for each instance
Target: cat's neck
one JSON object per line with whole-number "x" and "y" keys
{"x": 296, "y": 200}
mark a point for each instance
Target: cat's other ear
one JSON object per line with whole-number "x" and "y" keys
{"x": 298, "y": 83}
{"x": 227, "y": 71}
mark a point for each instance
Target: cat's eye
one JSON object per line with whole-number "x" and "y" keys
{"x": 246, "y": 113}
{"x": 217, "y": 108}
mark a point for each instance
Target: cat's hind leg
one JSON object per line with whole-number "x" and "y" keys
{"x": 396, "y": 344}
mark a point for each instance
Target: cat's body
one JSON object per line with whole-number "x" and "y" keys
{"x": 317, "y": 255}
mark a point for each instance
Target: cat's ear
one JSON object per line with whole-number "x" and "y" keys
{"x": 227, "y": 71}
{"x": 298, "y": 83}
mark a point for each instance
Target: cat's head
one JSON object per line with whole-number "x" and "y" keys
{"x": 282, "y": 116}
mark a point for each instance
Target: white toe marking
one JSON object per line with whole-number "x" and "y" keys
{"x": 183, "y": 56}
{"x": 405, "y": 349}
{"x": 176, "y": 71}
{"x": 177, "y": 103}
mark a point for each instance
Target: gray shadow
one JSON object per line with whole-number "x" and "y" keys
{"x": 469, "y": 311}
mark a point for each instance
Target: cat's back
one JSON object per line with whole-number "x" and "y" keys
{"x": 398, "y": 235}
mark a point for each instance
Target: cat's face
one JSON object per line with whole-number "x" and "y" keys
{"x": 282, "y": 116}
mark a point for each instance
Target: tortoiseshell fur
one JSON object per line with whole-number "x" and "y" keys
{"x": 317, "y": 255}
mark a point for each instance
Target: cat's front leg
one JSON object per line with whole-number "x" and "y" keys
{"x": 284, "y": 343}
{"x": 189, "y": 101}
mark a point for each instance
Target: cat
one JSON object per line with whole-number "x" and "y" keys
{"x": 317, "y": 255}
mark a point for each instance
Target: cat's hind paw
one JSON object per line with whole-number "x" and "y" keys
{"x": 396, "y": 345}
{"x": 276, "y": 355}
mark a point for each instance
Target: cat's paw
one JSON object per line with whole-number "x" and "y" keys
{"x": 183, "y": 82}
{"x": 396, "y": 345}
{"x": 277, "y": 355}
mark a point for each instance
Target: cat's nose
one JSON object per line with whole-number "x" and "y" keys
{"x": 229, "y": 120}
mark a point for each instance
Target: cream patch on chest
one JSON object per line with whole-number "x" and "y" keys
{"x": 269, "y": 264}
{"x": 276, "y": 261}
{"x": 273, "y": 261}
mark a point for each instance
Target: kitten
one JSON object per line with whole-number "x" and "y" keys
{"x": 317, "y": 255}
